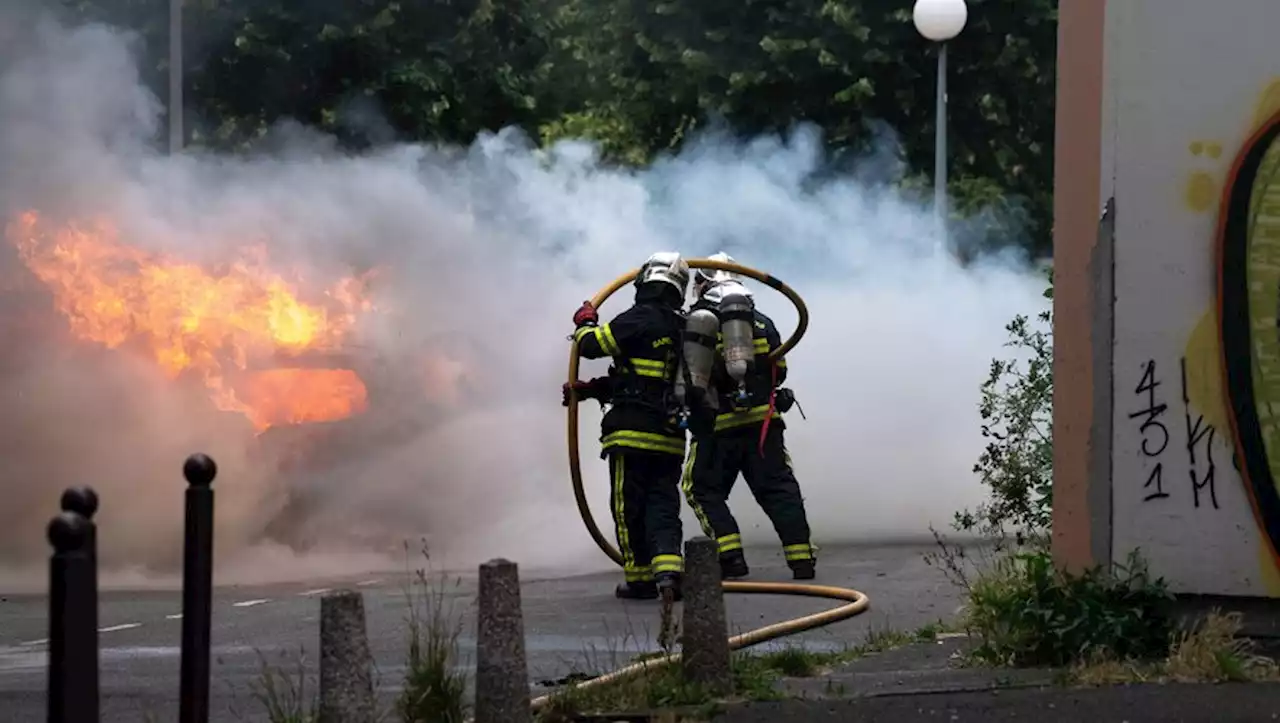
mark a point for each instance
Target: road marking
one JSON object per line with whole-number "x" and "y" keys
{"x": 367, "y": 583}
{"x": 310, "y": 593}
{"x": 116, "y": 628}
{"x": 33, "y": 643}
{"x": 248, "y": 603}
{"x": 177, "y": 616}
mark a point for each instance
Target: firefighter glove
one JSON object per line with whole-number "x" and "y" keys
{"x": 586, "y": 315}
{"x": 597, "y": 388}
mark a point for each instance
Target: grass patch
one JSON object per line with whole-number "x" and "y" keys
{"x": 283, "y": 693}
{"x": 435, "y": 686}
{"x": 1213, "y": 652}
{"x": 755, "y": 678}
{"x": 662, "y": 687}
{"x": 798, "y": 662}
{"x": 435, "y": 683}
{"x": 1099, "y": 627}
{"x": 1025, "y": 612}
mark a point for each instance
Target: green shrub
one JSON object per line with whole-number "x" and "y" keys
{"x": 1017, "y": 421}
{"x": 1026, "y": 612}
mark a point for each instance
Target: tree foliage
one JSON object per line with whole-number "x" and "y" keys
{"x": 637, "y": 75}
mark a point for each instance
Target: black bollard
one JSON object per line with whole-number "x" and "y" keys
{"x": 83, "y": 501}
{"x": 197, "y": 589}
{"x": 73, "y": 633}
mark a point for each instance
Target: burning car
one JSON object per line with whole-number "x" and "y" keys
{"x": 309, "y": 392}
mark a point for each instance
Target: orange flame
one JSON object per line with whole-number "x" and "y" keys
{"x": 189, "y": 319}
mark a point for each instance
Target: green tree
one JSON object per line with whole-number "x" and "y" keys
{"x": 432, "y": 70}
{"x": 762, "y": 65}
{"x": 637, "y": 75}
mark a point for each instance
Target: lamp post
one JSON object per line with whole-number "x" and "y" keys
{"x": 940, "y": 21}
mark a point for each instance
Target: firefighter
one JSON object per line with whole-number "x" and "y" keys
{"x": 640, "y": 434}
{"x": 746, "y": 437}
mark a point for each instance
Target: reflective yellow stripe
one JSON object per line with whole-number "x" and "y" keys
{"x": 782, "y": 363}
{"x": 638, "y": 574}
{"x": 644, "y": 440}
{"x": 619, "y": 517}
{"x": 799, "y": 552}
{"x": 604, "y": 335}
{"x": 729, "y": 543}
{"x": 582, "y": 332}
{"x": 686, "y": 484}
{"x": 667, "y": 563}
{"x": 738, "y": 419}
{"x": 650, "y": 368}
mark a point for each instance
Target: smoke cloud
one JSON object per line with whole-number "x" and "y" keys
{"x": 480, "y": 254}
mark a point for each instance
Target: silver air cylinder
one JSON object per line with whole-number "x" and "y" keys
{"x": 699, "y": 353}
{"x": 736, "y": 317}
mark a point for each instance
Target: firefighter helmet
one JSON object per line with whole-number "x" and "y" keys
{"x": 666, "y": 267}
{"x": 707, "y": 283}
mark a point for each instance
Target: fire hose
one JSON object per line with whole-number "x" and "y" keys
{"x": 854, "y": 602}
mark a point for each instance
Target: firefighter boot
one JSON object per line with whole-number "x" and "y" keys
{"x": 733, "y": 565}
{"x": 669, "y": 582}
{"x": 636, "y": 591}
{"x": 803, "y": 569}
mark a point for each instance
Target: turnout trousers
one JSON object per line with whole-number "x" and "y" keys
{"x": 645, "y": 502}
{"x": 711, "y": 469}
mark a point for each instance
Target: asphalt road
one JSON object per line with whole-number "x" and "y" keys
{"x": 571, "y": 624}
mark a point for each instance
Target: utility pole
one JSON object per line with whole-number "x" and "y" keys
{"x": 176, "y": 135}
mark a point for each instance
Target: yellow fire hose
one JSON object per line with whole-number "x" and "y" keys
{"x": 855, "y": 602}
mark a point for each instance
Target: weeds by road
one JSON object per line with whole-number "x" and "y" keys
{"x": 435, "y": 682}
{"x": 755, "y": 676}
{"x": 435, "y": 686}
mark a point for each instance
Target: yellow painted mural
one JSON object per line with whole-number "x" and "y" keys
{"x": 1201, "y": 194}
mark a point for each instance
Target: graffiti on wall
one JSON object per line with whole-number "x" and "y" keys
{"x": 1195, "y": 452}
{"x": 1248, "y": 309}
{"x": 1207, "y": 426}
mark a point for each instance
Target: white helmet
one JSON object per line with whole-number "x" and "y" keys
{"x": 707, "y": 282}
{"x": 667, "y": 267}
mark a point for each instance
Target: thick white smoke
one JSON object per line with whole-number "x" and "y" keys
{"x": 485, "y": 252}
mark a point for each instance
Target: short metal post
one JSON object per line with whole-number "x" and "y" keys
{"x": 73, "y": 632}
{"x": 83, "y": 501}
{"x": 197, "y": 589}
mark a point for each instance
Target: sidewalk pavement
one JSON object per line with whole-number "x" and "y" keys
{"x": 1146, "y": 703}
{"x": 921, "y": 683}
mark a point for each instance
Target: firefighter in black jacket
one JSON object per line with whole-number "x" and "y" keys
{"x": 747, "y": 437}
{"x": 640, "y": 435}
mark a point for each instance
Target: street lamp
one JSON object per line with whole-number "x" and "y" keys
{"x": 940, "y": 21}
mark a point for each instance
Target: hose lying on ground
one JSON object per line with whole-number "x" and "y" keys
{"x": 855, "y": 602}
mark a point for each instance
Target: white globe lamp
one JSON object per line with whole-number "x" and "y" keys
{"x": 940, "y": 20}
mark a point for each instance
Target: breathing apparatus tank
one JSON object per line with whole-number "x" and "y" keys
{"x": 737, "y": 314}
{"x": 698, "y": 356}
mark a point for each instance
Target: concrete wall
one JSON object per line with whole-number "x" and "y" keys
{"x": 1158, "y": 97}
